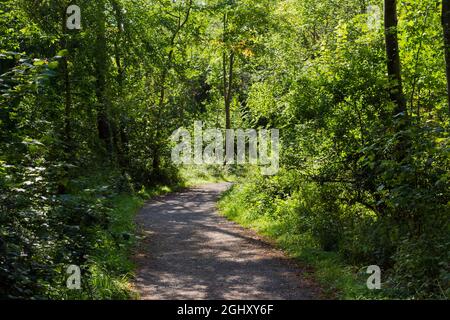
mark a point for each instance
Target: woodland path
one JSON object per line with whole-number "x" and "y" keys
{"x": 190, "y": 252}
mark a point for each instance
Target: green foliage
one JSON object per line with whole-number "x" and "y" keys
{"x": 42, "y": 235}
{"x": 338, "y": 240}
{"x": 358, "y": 184}
{"x": 78, "y": 124}
{"x": 364, "y": 184}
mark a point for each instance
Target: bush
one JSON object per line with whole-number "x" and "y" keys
{"x": 317, "y": 215}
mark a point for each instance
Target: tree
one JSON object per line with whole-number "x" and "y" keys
{"x": 393, "y": 57}
{"x": 179, "y": 20}
{"x": 227, "y": 62}
{"x": 446, "y": 27}
{"x": 242, "y": 24}
{"x": 101, "y": 70}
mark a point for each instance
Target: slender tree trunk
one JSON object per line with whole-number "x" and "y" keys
{"x": 67, "y": 131}
{"x": 120, "y": 66}
{"x": 395, "y": 79}
{"x": 227, "y": 83}
{"x": 225, "y": 88}
{"x": 162, "y": 94}
{"x": 101, "y": 69}
{"x": 229, "y": 95}
{"x": 67, "y": 89}
{"x": 68, "y": 102}
{"x": 446, "y": 27}
{"x": 119, "y": 132}
{"x": 393, "y": 57}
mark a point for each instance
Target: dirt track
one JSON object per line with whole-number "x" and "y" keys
{"x": 190, "y": 252}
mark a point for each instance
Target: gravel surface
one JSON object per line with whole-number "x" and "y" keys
{"x": 191, "y": 252}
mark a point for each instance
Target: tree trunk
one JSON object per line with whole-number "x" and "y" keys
{"x": 67, "y": 90}
{"x": 227, "y": 83}
{"x": 120, "y": 66}
{"x": 162, "y": 94}
{"x": 446, "y": 27}
{"x": 67, "y": 104}
{"x": 119, "y": 132}
{"x": 228, "y": 87}
{"x": 393, "y": 57}
{"x": 101, "y": 69}
{"x": 225, "y": 89}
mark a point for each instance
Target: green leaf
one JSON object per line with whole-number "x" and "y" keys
{"x": 63, "y": 53}
{"x": 53, "y": 65}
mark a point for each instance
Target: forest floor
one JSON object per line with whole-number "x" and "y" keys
{"x": 189, "y": 251}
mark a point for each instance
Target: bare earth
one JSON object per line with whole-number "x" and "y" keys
{"x": 191, "y": 252}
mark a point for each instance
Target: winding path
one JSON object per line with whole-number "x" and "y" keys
{"x": 191, "y": 252}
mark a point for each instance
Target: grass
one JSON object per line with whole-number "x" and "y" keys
{"x": 109, "y": 269}
{"x": 336, "y": 279}
{"x": 197, "y": 175}
{"x": 110, "y": 266}
{"x": 117, "y": 256}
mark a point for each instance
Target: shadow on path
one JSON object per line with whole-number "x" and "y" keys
{"x": 190, "y": 252}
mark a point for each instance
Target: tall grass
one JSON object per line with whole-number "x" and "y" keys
{"x": 278, "y": 221}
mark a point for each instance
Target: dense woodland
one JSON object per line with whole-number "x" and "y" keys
{"x": 358, "y": 88}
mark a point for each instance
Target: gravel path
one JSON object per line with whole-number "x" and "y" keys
{"x": 190, "y": 252}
